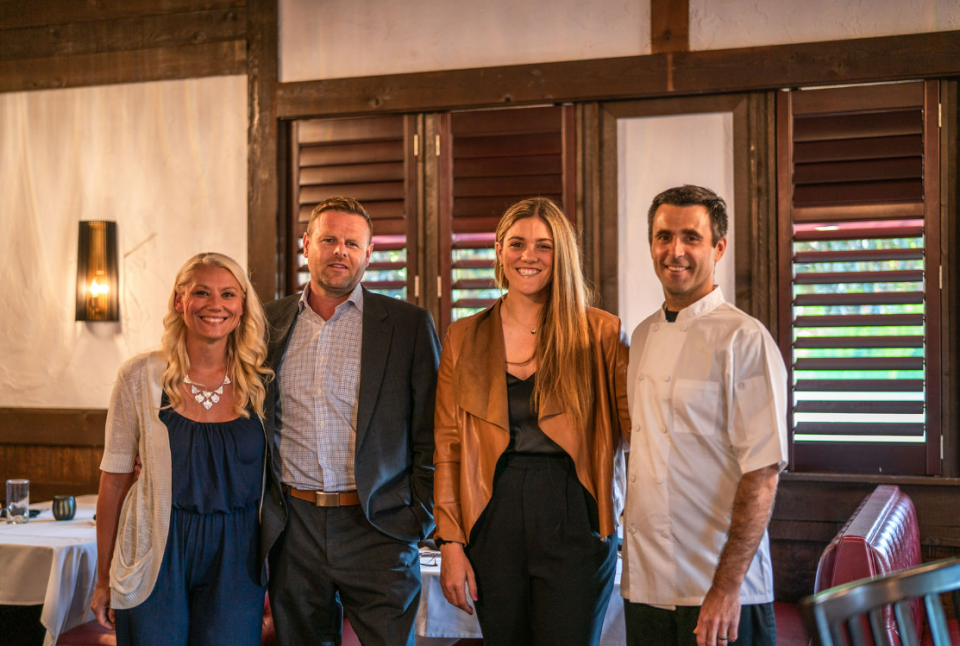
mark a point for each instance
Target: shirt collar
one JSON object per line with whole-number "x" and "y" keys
{"x": 705, "y": 305}
{"x": 356, "y": 297}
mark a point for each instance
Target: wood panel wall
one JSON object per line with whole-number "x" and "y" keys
{"x": 58, "y": 450}
{"x": 47, "y": 44}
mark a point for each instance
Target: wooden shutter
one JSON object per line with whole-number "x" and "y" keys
{"x": 371, "y": 160}
{"x": 859, "y": 275}
{"x": 489, "y": 160}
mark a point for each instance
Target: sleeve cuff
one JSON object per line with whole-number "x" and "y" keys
{"x": 114, "y": 463}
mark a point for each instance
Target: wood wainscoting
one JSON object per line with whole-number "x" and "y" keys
{"x": 57, "y": 449}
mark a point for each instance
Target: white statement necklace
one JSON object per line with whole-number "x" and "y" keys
{"x": 206, "y": 398}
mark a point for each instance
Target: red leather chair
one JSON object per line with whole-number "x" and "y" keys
{"x": 882, "y": 536}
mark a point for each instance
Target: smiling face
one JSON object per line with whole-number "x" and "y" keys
{"x": 337, "y": 249}
{"x": 211, "y": 304}
{"x": 526, "y": 254}
{"x": 683, "y": 254}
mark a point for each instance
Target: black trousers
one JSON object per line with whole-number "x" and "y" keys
{"x": 544, "y": 575}
{"x": 649, "y": 626}
{"x": 331, "y": 561}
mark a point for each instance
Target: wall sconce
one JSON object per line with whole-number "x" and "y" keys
{"x": 97, "y": 278}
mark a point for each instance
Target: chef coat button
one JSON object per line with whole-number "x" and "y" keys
{"x": 633, "y": 478}
{"x": 741, "y": 385}
{"x": 663, "y": 429}
{"x": 656, "y": 327}
{"x": 685, "y": 328}
{"x": 633, "y": 530}
{"x": 666, "y": 377}
{"x": 659, "y": 480}
{"x": 640, "y": 377}
{"x": 664, "y": 534}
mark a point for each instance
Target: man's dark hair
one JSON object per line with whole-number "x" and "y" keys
{"x": 689, "y": 195}
{"x": 344, "y": 204}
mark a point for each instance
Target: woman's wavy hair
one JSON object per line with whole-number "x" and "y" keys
{"x": 246, "y": 349}
{"x": 564, "y": 360}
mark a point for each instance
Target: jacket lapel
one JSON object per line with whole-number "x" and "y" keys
{"x": 374, "y": 349}
{"x": 480, "y": 380}
{"x": 279, "y": 333}
{"x": 550, "y": 407}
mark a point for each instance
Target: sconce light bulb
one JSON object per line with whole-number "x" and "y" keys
{"x": 96, "y": 288}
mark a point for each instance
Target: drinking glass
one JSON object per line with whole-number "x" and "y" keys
{"x": 18, "y": 501}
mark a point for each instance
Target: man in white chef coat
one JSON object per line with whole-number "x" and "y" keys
{"x": 708, "y": 401}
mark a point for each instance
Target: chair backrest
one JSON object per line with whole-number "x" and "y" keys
{"x": 882, "y": 536}
{"x": 836, "y": 614}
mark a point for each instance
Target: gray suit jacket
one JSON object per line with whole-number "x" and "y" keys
{"x": 399, "y": 358}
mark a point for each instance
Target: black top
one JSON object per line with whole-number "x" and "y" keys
{"x": 216, "y": 467}
{"x": 525, "y": 433}
{"x": 671, "y": 315}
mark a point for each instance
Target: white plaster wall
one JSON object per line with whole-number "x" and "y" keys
{"x": 345, "y": 38}
{"x": 723, "y": 24}
{"x": 167, "y": 161}
{"x": 654, "y": 154}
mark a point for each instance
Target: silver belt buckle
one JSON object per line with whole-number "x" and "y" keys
{"x": 328, "y": 499}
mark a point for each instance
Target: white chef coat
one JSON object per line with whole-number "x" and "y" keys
{"x": 708, "y": 403}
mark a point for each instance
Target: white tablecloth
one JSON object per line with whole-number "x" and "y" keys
{"x": 53, "y": 563}
{"x": 438, "y": 622}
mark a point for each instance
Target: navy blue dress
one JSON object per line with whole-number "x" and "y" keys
{"x": 207, "y": 591}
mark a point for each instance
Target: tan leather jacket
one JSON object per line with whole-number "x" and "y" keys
{"x": 472, "y": 427}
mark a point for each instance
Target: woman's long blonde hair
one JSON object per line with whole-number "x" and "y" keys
{"x": 564, "y": 360}
{"x": 246, "y": 349}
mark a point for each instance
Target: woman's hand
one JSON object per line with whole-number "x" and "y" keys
{"x": 113, "y": 491}
{"x": 455, "y": 571}
{"x": 101, "y": 606}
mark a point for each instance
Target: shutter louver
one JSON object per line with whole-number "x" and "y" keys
{"x": 860, "y": 331}
{"x": 493, "y": 159}
{"x": 370, "y": 160}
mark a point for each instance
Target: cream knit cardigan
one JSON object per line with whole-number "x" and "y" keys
{"x": 134, "y": 428}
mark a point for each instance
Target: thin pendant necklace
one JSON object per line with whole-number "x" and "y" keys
{"x": 206, "y": 398}
{"x": 533, "y": 330}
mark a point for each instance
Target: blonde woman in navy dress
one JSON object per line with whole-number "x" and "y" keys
{"x": 177, "y": 547}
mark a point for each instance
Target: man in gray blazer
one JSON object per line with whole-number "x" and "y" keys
{"x": 350, "y": 416}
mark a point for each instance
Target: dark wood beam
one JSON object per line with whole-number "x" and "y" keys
{"x": 52, "y": 426}
{"x": 264, "y": 240}
{"x": 864, "y": 60}
{"x": 164, "y": 63}
{"x": 147, "y": 32}
{"x": 950, "y": 292}
{"x": 669, "y": 26}
{"x": 16, "y": 14}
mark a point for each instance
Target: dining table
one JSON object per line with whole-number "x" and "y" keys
{"x": 51, "y": 563}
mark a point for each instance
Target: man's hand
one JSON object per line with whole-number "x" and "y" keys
{"x": 101, "y": 606}
{"x": 455, "y": 574}
{"x": 752, "y": 506}
{"x": 719, "y": 617}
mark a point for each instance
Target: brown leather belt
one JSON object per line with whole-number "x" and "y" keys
{"x": 326, "y": 499}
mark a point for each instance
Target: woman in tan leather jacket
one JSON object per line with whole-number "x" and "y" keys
{"x": 530, "y": 422}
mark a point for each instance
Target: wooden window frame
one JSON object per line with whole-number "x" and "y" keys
{"x": 754, "y": 194}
